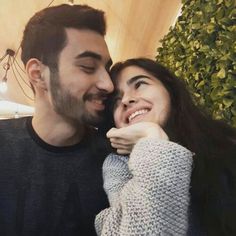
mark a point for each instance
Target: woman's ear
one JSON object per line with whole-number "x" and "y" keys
{"x": 34, "y": 69}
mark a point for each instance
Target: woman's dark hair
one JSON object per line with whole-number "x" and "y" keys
{"x": 44, "y": 35}
{"x": 212, "y": 141}
{"x": 187, "y": 124}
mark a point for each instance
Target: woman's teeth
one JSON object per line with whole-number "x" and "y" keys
{"x": 137, "y": 113}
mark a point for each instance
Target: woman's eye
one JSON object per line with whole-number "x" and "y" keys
{"x": 88, "y": 69}
{"x": 139, "y": 83}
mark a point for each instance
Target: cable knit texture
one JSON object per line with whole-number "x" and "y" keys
{"x": 148, "y": 192}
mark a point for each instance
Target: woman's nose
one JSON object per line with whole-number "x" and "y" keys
{"x": 128, "y": 100}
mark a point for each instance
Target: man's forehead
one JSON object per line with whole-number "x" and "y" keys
{"x": 84, "y": 40}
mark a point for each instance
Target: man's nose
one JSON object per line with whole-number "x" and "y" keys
{"x": 105, "y": 83}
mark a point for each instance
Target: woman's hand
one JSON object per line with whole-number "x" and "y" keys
{"x": 124, "y": 139}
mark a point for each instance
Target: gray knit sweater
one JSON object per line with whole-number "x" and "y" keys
{"x": 148, "y": 192}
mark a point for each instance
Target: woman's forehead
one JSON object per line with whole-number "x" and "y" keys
{"x": 128, "y": 73}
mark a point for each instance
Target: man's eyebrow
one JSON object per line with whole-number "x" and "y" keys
{"x": 89, "y": 54}
{"x": 95, "y": 56}
{"x": 133, "y": 79}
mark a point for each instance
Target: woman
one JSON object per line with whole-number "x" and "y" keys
{"x": 150, "y": 107}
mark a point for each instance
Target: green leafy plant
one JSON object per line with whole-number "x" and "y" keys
{"x": 201, "y": 49}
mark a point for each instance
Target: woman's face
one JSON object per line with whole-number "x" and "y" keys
{"x": 139, "y": 97}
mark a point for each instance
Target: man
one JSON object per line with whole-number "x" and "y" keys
{"x": 50, "y": 165}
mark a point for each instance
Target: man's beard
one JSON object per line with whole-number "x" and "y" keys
{"x": 69, "y": 107}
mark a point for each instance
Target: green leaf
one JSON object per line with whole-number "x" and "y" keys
{"x": 202, "y": 83}
{"x": 196, "y": 26}
{"x": 219, "y": 2}
{"x": 229, "y": 3}
{"x": 210, "y": 28}
{"x": 197, "y": 95}
{"x": 221, "y": 73}
{"x": 233, "y": 110}
{"x": 227, "y": 102}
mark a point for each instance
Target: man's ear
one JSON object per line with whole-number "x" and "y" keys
{"x": 34, "y": 69}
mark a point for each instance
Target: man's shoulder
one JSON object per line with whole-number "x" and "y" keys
{"x": 13, "y": 125}
{"x": 14, "y": 122}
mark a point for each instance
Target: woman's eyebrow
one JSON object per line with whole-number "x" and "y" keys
{"x": 129, "y": 82}
{"x": 133, "y": 79}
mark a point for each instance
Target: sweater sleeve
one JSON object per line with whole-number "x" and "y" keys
{"x": 154, "y": 201}
{"x": 115, "y": 174}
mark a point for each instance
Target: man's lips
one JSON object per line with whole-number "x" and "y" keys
{"x": 97, "y": 100}
{"x": 98, "y": 103}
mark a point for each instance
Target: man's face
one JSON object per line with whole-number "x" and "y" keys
{"x": 81, "y": 84}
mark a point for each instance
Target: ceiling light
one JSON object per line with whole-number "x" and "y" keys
{"x": 3, "y": 85}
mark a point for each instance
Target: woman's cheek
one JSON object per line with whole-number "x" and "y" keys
{"x": 116, "y": 117}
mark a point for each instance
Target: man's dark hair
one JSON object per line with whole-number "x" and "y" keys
{"x": 44, "y": 35}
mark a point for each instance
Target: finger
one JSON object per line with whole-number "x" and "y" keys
{"x": 121, "y": 141}
{"x": 114, "y": 140}
{"x": 111, "y": 133}
{"x": 120, "y": 146}
{"x": 116, "y": 133}
{"x": 123, "y": 151}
